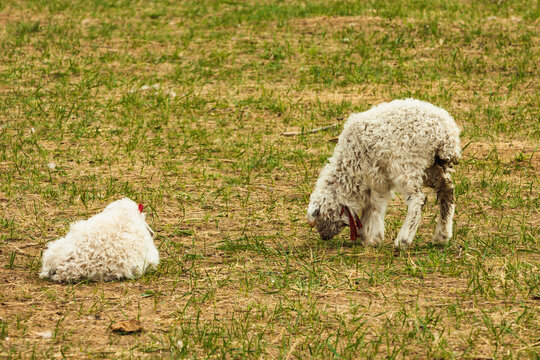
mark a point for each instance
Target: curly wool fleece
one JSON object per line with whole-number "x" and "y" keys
{"x": 114, "y": 244}
{"x": 401, "y": 145}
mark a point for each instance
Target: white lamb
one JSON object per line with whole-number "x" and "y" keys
{"x": 112, "y": 245}
{"x": 401, "y": 145}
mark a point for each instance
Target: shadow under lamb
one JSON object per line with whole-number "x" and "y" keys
{"x": 402, "y": 145}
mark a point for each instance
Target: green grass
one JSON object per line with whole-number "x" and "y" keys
{"x": 242, "y": 275}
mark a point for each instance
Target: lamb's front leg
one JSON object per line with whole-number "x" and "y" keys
{"x": 406, "y": 234}
{"x": 372, "y": 231}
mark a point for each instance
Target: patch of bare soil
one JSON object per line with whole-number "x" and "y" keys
{"x": 317, "y": 24}
{"x": 513, "y": 151}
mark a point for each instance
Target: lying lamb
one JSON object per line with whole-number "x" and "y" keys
{"x": 114, "y": 244}
{"x": 401, "y": 145}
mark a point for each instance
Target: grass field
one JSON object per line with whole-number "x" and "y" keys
{"x": 83, "y": 123}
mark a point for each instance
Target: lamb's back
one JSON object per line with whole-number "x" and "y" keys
{"x": 399, "y": 128}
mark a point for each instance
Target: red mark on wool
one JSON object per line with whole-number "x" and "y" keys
{"x": 141, "y": 208}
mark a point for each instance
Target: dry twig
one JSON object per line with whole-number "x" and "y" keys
{"x": 322, "y": 128}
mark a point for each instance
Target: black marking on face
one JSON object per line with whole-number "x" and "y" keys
{"x": 330, "y": 225}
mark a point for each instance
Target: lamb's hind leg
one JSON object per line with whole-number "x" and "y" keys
{"x": 415, "y": 200}
{"x": 440, "y": 180}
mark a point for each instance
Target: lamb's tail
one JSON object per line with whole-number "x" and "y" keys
{"x": 445, "y": 163}
{"x": 449, "y": 153}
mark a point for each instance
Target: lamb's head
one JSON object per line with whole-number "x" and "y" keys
{"x": 325, "y": 213}
{"x": 57, "y": 252}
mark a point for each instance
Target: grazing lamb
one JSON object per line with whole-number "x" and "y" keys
{"x": 401, "y": 145}
{"x": 112, "y": 245}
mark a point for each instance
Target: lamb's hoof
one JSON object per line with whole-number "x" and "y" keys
{"x": 376, "y": 241}
{"x": 440, "y": 238}
{"x": 369, "y": 243}
{"x": 402, "y": 244}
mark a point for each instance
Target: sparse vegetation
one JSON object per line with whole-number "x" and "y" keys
{"x": 242, "y": 275}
